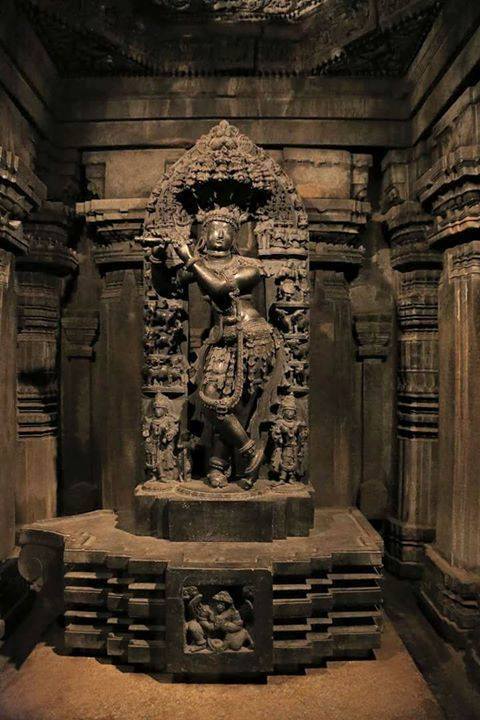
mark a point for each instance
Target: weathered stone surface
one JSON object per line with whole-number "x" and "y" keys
{"x": 336, "y": 252}
{"x": 8, "y": 409}
{"x": 198, "y": 514}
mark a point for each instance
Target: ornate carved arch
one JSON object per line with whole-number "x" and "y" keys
{"x": 225, "y": 166}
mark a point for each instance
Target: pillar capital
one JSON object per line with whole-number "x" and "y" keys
{"x": 117, "y": 222}
{"x": 406, "y": 222}
{"x": 335, "y": 231}
{"x": 407, "y": 227}
{"x": 80, "y": 331}
{"x": 450, "y": 189}
{"x": 373, "y": 333}
{"x": 47, "y": 233}
{"x": 21, "y": 192}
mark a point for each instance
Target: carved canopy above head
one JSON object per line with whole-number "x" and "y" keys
{"x": 225, "y": 167}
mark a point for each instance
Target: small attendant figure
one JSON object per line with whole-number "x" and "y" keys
{"x": 288, "y": 434}
{"x": 160, "y": 432}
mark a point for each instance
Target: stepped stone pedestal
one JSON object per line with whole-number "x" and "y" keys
{"x": 304, "y": 599}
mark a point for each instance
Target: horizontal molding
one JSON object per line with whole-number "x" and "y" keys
{"x": 175, "y": 133}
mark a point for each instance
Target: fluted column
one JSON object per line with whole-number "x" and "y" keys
{"x": 114, "y": 225}
{"x": 333, "y": 185}
{"x": 412, "y": 523}
{"x": 40, "y": 283}
{"x": 20, "y": 193}
{"x": 450, "y": 190}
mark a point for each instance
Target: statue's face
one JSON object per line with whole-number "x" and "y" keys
{"x": 159, "y": 412}
{"x": 220, "y": 236}
{"x": 289, "y": 413}
{"x": 220, "y": 607}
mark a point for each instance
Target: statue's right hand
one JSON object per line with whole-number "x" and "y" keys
{"x": 183, "y": 251}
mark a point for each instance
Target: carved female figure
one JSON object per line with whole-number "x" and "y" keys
{"x": 241, "y": 362}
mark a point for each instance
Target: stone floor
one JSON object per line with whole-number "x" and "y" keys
{"x": 43, "y": 684}
{"x": 442, "y": 666}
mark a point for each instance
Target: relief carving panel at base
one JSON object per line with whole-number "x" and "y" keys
{"x": 219, "y": 620}
{"x": 216, "y": 622}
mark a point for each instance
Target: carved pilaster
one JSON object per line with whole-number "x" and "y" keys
{"x": 20, "y": 193}
{"x": 450, "y": 189}
{"x": 333, "y": 185}
{"x": 80, "y": 491}
{"x": 40, "y": 284}
{"x": 371, "y": 298}
{"x": 114, "y": 225}
{"x": 412, "y": 522}
{"x": 373, "y": 332}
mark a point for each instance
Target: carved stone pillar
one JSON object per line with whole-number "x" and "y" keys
{"x": 79, "y": 491}
{"x": 333, "y": 185}
{"x": 40, "y": 283}
{"x": 20, "y": 192}
{"x": 372, "y": 304}
{"x": 412, "y": 523}
{"x": 451, "y": 190}
{"x": 118, "y": 362}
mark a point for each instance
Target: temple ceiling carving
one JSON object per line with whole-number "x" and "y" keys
{"x": 232, "y": 37}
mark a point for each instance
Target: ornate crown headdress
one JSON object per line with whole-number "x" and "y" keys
{"x": 288, "y": 402}
{"x": 228, "y": 213}
{"x": 162, "y": 401}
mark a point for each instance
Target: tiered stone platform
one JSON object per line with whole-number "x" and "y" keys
{"x": 313, "y": 597}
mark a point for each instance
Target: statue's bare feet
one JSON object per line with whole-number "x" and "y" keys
{"x": 246, "y": 483}
{"x": 251, "y": 458}
{"x": 217, "y": 479}
{"x": 254, "y": 464}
